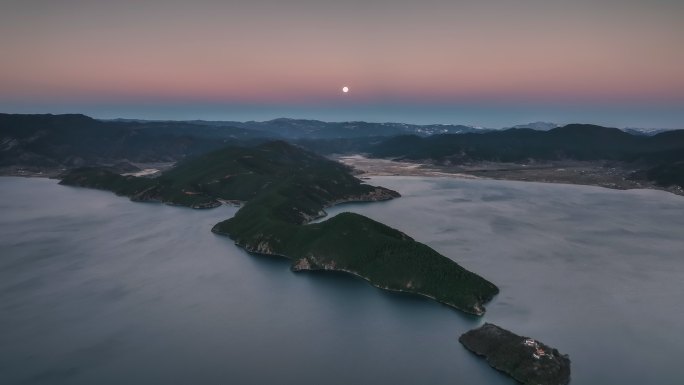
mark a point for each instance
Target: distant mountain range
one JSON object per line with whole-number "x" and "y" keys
{"x": 659, "y": 157}
{"x": 645, "y": 131}
{"x": 546, "y": 126}
{"x": 574, "y": 141}
{"x": 36, "y": 143}
{"x": 72, "y": 140}
{"x": 539, "y": 126}
{"x": 284, "y": 128}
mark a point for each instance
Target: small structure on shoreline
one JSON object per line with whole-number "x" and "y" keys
{"x": 519, "y": 357}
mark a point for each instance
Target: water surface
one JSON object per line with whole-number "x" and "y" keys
{"x": 95, "y": 289}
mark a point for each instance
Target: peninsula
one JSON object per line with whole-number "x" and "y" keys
{"x": 283, "y": 188}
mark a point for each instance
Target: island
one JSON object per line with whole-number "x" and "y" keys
{"x": 283, "y": 188}
{"x": 525, "y": 359}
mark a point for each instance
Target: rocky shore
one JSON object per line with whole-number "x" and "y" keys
{"x": 311, "y": 263}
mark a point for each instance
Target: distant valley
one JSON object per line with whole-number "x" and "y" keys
{"x": 48, "y": 145}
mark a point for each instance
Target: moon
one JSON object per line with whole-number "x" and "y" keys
{"x": 345, "y": 89}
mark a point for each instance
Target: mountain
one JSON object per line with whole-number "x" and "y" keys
{"x": 657, "y": 157}
{"x": 284, "y": 187}
{"x": 64, "y": 141}
{"x": 645, "y": 131}
{"x": 546, "y": 126}
{"x": 53, "y": 142}
{"x": 316, "y": 129}
{"x": 539, "y": 126}
{"x": 574, "y": 141}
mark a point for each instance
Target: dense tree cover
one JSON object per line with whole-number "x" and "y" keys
{"x": 284, "y": 187}
{"x": 529, "y": 361}
{"x": 74, "y": 140}
{"x": 660, "y": 156}
{"x": 51, "y": 142}
{"x": 580, "y": 142}
{"x": 68, "y": 141}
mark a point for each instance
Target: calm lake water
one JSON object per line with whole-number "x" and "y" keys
{"x": 95, "y": 289}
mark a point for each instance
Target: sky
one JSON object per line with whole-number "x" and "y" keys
{"x": 486, "y": 62}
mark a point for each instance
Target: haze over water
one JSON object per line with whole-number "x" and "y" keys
{"x": 97, "y": 289}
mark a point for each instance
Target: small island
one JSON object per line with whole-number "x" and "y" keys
{"x": 525, "y": 359}
{"x": 282, "y": 189}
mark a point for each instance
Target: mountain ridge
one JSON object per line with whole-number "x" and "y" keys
{"x": 46, "y": 144}
{"x": 284, "y": 188}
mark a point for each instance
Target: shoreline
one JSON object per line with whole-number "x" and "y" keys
{"x": 299, "y": 264}
{"x": 599, "y": 174}
{"x": 610, "y": 175}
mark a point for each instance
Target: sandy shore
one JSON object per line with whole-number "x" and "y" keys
{"x": 613, "y": 175}
{"x": 386, "y": 167}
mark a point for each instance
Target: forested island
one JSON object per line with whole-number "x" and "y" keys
{"x": 283, "y": 188}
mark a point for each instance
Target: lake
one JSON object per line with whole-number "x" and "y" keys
{"x": 95, "y": 289}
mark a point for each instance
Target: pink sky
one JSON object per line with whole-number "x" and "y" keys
{"x": 267, "y": 51}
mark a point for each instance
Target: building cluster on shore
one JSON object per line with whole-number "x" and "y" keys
{"x": 539, "y": 352}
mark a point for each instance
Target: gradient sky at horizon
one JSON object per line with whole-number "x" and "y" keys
{"x": 484, "y": 62}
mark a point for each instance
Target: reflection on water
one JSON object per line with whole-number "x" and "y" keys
{"x": 95, "y": 289}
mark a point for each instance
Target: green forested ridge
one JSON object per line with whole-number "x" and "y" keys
{"x": 45, "y": 144}
{"x": 49, "y": 142}
{"x": 575, "y": 141}
{"x": 66, "y": 141}
{"x": 660, "y": 157}
{"x": 232, "y": 173}
{"x": 284, "y": 187}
